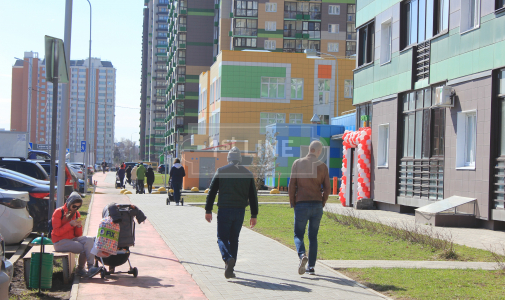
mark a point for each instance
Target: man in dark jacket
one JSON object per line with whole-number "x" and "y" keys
{"x": 150, "y": 179}
{"x": 129, "y": 174}
{"x": 236, "y": 191}
{"x": 121, "y": 174}
{"x": 177, "y": 173}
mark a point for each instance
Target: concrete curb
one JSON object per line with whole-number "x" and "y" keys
{"x": 75, "y": 285}
{"x": 407, "y": 264}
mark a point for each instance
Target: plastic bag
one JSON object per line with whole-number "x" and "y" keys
{"x": 106, "y": 241}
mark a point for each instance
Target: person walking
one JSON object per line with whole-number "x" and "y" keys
{"x": 134, "y": 176}
{"x": 307, "y": 198}
{"x": 177, "y": 173}
{"x": 67, "y": 233}
{"x": 121, "y": 173}
{"x": 104, "y": 166}
{"x": 237, "y": 190}
{"x": 150, "y": 179}
{"x": 128, "y": 173}
{"x": 141, "y": 174}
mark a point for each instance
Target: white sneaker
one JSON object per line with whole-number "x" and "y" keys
{"x": 177, "y": 204}
{"x": 301, "y": 266}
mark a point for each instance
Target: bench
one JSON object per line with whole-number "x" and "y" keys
{"x": 67, "y": 260}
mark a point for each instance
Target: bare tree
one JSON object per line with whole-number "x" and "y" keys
{"x": 125, "y": 150}
{"x": 264, "y": 163}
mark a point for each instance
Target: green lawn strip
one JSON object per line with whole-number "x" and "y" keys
{"x": 202, "y": 197}
{"x": 158, "y": 179}
{"x": 338, "y": 242}
{"x": 432, "y": 284}
{"x": 85, "y": 205}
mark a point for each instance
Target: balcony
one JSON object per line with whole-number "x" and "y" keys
{"x": 182, "y": 28}
{"x": 182, "y": 62}
{"x": 181, "y": 45}
{"x": 296, "y": 15}
{"x": 245, "y": 31}
{"x": 302, "y": 34}
{"x": 183, "y": 10}
{"x": 351, "y": 18}
{"x": 351, "y": 36}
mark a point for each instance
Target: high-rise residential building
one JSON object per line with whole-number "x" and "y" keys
{"x": 29, "y": 83}
{"x": 430, "y": 82}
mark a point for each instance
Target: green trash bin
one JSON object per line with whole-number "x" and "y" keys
{"x": 46, "y": 275}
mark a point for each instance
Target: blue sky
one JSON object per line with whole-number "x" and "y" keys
{"x": 116, "y": 36}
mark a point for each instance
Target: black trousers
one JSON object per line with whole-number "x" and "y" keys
{"x": 150, "y": 187}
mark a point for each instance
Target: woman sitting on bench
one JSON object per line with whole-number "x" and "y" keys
{"x": 67, "y": 233}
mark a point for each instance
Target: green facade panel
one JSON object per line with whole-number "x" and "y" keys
{"x": 368, "y": 9}
{"x": 245, "y": 81}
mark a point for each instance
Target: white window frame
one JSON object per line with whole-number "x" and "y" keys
{"x": 269, "y": 84}
{"x": 383, "y": 143}
{"x": 270, "y": 44}
{"x": 325, "y": 93}
{"x": 270, "y": 26}
{"x": 298, "y": 118}
{"x": 271, "y": 7}
{"x": 296, "y": 84}
{"x": 348, "y": 88}
{"x": 333, "y": 28}
{"x": 333, "y": 47}
{"x": 202, "y": 130}
{"x": 386, "y": 42}
{"x": 275, "y": 119}
{"x": 462, "y": 163}
{"x": 212, "y": 95}
{"x": 334, "y": 10}
{"x": 464, "y": 25}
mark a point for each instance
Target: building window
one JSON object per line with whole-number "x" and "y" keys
{"x": 292, "y": 9}
{"x": 201, "y": 127}
{"x": 386, "y": 42}
{"x": 350, "y": 48}
{"x": 351, "y": 31}
{"x": 348, "y": 87}
{"x": 332, "y": 47}
{"x": 270, "y": 7}
{"x": 214, "y": 124}
{"x": 296, "y": 88}
{"x": 366, "y": 44}
{"x": 441, "y": 19}
{"x": 270, "y": 44}
{"x": 323, "y": 88}
{"x": 182, "y": 39}
{"x": 333, "y": 28}
{"x": 470, "y": 15}
{"x": 246, "y": 8}
{"x": 334, "y": 9}
{"x": 383, "y": 144}
{"x": 244, "y": 42}
{"x": 182, "y": 21}
{"x": 273, "y": 87}
{"x": 466, "y": 139}
{"x": 270, "y": 118}
{"x": 500, "y": 4}
{"x": 270, "y": 26}
{"x": 296, "y": 118}
{"x": 211, "y": 93}
{"x": 247, "y": 27}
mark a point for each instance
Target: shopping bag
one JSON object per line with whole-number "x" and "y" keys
{"x": 106, "y": 241}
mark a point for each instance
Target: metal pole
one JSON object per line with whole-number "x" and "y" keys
{"x": 53, "y": 130}
{"x": 64, "y": 107}
{"x": 88, "y": 109}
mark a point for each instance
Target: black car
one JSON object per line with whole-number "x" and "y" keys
{"x": 161, "y": 169}
{"x": 39, "y": 155}
{"x": 39, "y": 196}
{"x": 27, "y": 167}
{"x": 71, "y": 182}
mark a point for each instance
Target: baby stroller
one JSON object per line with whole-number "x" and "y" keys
{"x": 118, "y": 182}
{"x": 123, "y": 215}
{"x": 171, "y": 195}
{"x": 139, "y": 187}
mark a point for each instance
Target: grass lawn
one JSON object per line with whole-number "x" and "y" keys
{"x": 432, "y": 284}
{"x": 85, "y": 205}
{"x": 158, "y": 178}
{"x": 275, "y": 198}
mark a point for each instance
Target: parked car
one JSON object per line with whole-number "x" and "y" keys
{"x": 27, "y": 167}
{"x": 91, "y": 169}
{"x": 77, "y": 170}
{"x": 39, "y": 196}
{"x": 6, "y": 272}
{"x": 26, "y": 176}
{"x": 71, "y": 183}
{"x": 38, "y": 155}
{"x": 161, "y": 168}
{"x": 15, "y": 220}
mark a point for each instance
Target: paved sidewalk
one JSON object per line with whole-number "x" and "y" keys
{"x": 265, "y": 268}
{"x": 161, "y": 275}
{"x": 408, "y": 264}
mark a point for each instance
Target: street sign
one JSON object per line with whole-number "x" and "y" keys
{"x": 30, "y": 147}
{"x": 83, "y": 146}
{"x": 53, "y": 70}
{"x": 68, "y": 150}
{"x": 43, "y": 146}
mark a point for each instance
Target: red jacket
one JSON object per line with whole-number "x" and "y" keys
{"x": 61, "y": 226}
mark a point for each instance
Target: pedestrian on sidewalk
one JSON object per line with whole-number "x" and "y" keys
{"x": 128, "y": 173}
{"x": 141, "y": 174}
{"x": 67, "y": 233}
{"x": 177, "y": 173}
{"x": 307, "y": 198}
{"x": 237, "y": 190}
{"x": 150, "y": 179}
{"x": 134, "y": 176}
{"x": 121, "y": 173}
{"x": 104, "y": 166}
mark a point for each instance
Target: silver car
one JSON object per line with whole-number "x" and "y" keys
{"x": 6, "y": 272}
{"x": 15, "y": 220}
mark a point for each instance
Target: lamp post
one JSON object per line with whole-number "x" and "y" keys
{"x": 313, "y": 52}
{"x": 29, "y": 104}
{"x": 88, "y": 110}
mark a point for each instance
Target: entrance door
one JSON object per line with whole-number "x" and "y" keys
{"x": 354, "y": 176}
{"x": 207, "y": 170}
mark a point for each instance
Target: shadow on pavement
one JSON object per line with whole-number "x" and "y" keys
{"x": 147, "y": 282}
{"x": 383, "y": 287}
{"x": 270, "y": 286}
{"x": 136, "y": 253}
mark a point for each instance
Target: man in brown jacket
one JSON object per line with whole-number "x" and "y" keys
{"x": 309, "y": 188}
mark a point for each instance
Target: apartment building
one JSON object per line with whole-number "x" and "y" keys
{"x": 29, "y": 85}
{"x": 430, "y": 81}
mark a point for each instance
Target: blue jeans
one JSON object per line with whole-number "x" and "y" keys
{"x": 177, "y": 191}
{"x": 229, "y": 224}
{"x": 312, "y": 213}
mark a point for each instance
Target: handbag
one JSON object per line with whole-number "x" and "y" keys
{"x": 106, "y": 241}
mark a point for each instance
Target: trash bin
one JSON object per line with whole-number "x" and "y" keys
{"x": 46, "y": 275}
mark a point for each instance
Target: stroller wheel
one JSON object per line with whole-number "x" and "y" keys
{"x": 168, "y": 201}
{"x": 102, "y": 273}
{"x": 135, "y": 272}
{"x": 182, "y": 201}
